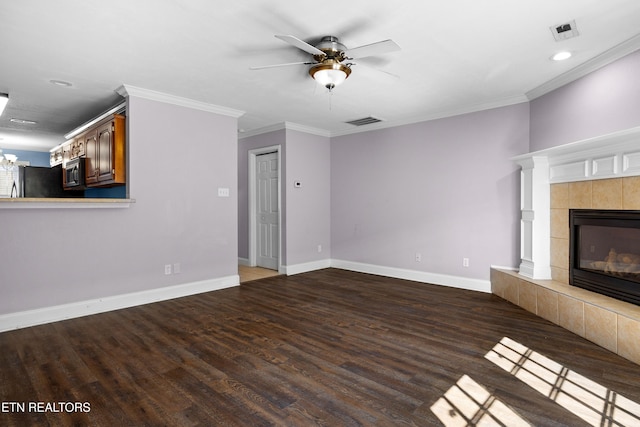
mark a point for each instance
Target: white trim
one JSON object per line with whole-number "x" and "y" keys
{"x": 397, "y": 273}
{"x": 519, "y": 99}
{"x": 500, "y": 267}
{"x": 385, "y": 125}
{"x": 285, "y": 126}
{"x": 253, "y": 239}
{"x": 306, "y": 267}
{"x": 416, "y": 276}
{"x": 307, "y": 129}
{"x": 260, "y": 131}
{"x": 44, "y": 315}
{"x": 128, "y": 90}
{"x": 623, "y": 49}
{"x": 57, "y": 313}
{"x": 611, "y": 155}
{"x": 82, "y": 128}
{"x": 244, "y": 261}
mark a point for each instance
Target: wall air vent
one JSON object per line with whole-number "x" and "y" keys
{"x": 364, "y": 121}
{"x": 564, "y": 31}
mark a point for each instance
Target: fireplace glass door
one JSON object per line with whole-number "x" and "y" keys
{"x": 613, "y": 251}
{"x": 605, "y": 252}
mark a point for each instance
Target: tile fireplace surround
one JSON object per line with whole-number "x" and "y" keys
{"x": 601, "y": 173}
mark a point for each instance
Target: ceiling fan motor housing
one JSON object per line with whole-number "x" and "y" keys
{"x": 332, "y": 48}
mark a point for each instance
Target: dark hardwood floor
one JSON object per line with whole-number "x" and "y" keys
{"x": 330, "y": 348}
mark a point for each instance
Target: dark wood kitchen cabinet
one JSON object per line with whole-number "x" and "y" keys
{"x": 105, "y": 148}
{"x": 91, "y": 155}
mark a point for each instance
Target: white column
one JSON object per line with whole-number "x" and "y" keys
{"x": 535, "y": 226}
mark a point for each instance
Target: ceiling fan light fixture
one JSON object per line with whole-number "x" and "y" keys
{"x": 330, "y": 73}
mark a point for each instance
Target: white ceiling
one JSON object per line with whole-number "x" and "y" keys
{"x": 456, "y": 56}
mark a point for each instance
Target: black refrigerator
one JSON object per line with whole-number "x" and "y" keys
{"x": 36, "y": 181}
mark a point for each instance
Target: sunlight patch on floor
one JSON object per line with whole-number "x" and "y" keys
{"x": 468, "y": 403}
{"x": 593, "y": 403}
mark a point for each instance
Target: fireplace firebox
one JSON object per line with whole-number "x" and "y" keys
{"x": 604, "y": 252}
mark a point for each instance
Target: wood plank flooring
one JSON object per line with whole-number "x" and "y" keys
{"x": 326, "y": 348}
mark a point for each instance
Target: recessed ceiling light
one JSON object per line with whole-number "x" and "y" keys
{"x": 60, "y": 83}
{"x": 561, "y": 56}
{"x": 23, "y": 121}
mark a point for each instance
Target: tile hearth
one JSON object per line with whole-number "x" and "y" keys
{"x": 596, "y": 173}
{"x": 610, "y": 323}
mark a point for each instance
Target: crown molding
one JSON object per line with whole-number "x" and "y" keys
{"x": 285, "y": 126}
{"x": 623, "y": 49}
{"x": 385, "y": 125}
{"x": 307, "y": 129}
{"x": 120, "y": 107}
{"x": 262, "y": 130}
{"x": 519, "y": 99}
{"x": 128, "y": 90}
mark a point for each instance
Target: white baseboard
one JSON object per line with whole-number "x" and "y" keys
{"x": 305, "y": 267}
{"x": 502, "y": 267}
{"x": 416, "y": 276}
{"x": 244, "y": 261}
{"x": 44, "y": 315}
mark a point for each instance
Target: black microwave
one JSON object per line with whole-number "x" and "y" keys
{"x": 73, "y": 177}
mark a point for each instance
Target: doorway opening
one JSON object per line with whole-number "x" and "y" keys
{"x": 264, "y": 208}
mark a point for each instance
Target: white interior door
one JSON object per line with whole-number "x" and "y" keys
{"x": 267, "y": 218}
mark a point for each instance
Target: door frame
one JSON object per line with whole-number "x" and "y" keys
{"x": 253, "y": 205}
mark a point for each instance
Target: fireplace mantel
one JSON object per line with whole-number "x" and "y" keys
{"x": 613, "y": 155}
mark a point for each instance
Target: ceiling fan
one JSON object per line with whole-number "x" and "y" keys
{"x": 331, "y": 63}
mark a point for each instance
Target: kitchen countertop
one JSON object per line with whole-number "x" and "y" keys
{"x": 62, "y": 203}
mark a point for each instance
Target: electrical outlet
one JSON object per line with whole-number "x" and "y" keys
{"x": 465, "y": 262}
{"x": 167, "y": 269}
{"x": 418, "y": 257}
{"x": 319, "y": 248}
{"x": 176, "y": 268}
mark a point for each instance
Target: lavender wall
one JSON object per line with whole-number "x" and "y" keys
{"x": 306, "y": 210}
{"x": 178, "y": 158}
{"x": 308, "y": 207}
{"x": 245, "y": 145}
{"x": 602, "y": 102}
{"x": 444, "y": 188}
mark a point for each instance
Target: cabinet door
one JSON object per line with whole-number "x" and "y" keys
{"x": 79, "y": 142}
{"x": 105, "y": 152}
{"x": 91, "y": 151}
{"x": 67, "y": 151}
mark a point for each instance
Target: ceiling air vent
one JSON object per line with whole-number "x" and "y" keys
{"x": 364, "y": 121}
{"x": 564, "y": 31}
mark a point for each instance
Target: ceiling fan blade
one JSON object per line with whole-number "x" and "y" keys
{"x": 294, "y": 41}
{"x": 369, "y": 67}
{"x": 372, "y": 49}
{"x": 262, "y": 67}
